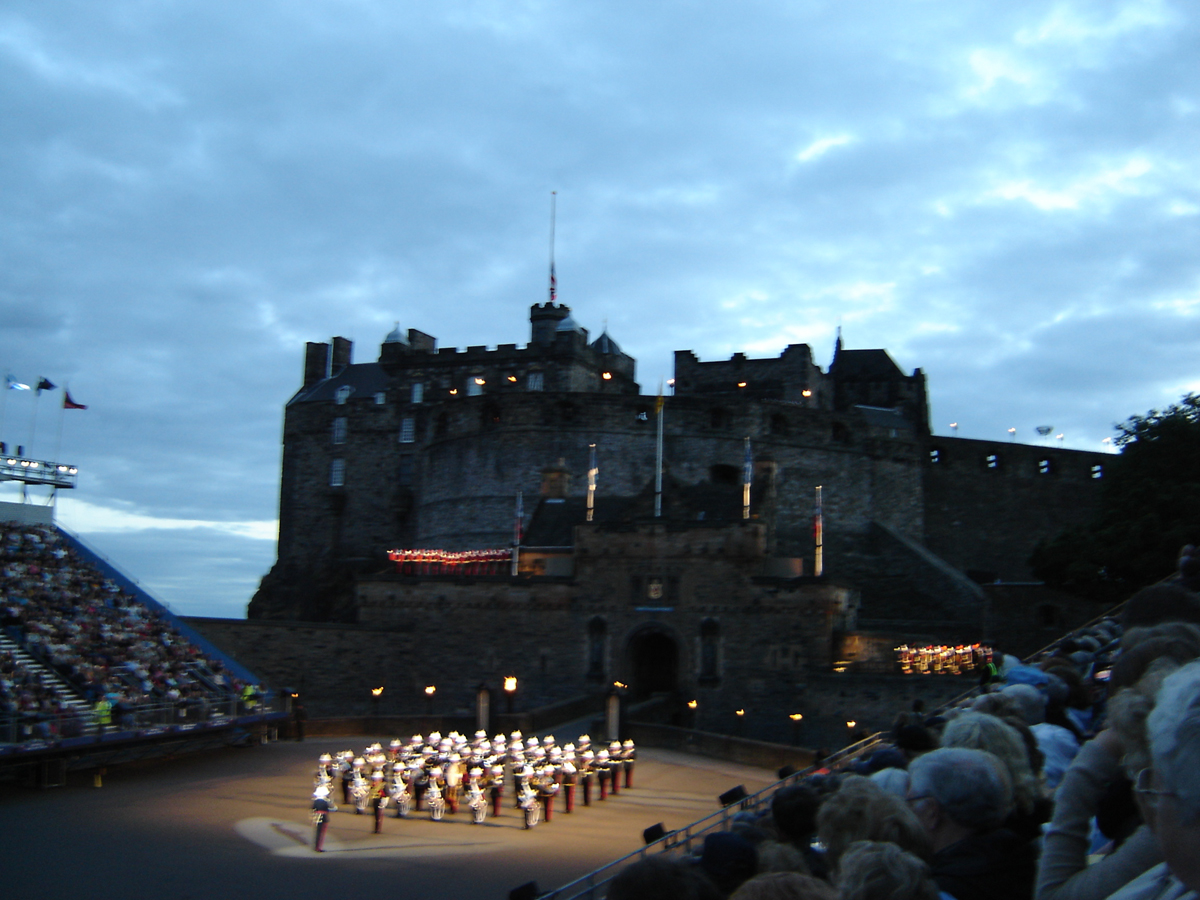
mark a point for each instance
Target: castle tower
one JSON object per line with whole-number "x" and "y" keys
{"x": 543, "y": 321}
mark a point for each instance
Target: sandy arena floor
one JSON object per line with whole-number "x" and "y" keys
{"x": 234, "y": 823}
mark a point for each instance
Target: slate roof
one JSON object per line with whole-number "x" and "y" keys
{"x": 365, "y": 379}
{"x": 864, "y": 365}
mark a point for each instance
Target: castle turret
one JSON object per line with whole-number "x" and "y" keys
{"x": 544, "y": 319}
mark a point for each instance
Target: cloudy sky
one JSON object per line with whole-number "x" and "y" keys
{"x": 1006, "y": 195}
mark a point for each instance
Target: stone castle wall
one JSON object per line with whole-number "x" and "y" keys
{"x": 987, "y": 502}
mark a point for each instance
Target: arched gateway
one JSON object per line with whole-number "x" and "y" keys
{"x": 653, "y": 663}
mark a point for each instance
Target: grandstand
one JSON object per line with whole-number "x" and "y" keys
{"x": 93, "y": 670}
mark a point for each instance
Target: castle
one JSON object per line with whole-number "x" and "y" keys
{"x": 924, "y": 537}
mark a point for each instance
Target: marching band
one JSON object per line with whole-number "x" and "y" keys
{"x": 434, "y": 773}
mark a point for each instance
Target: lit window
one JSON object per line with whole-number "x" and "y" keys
{"x": 408, "y": 430}
{"x": 339, "y": 430}
{"x": 1097, "y": 471}
{"x": 343, "y": 394}
{"x": 337, "y": 473}
{"x": 935, "y": 455}
{"x": 534, "y": 381}
{"x": 418, "y": 392}
{"x": 1044, "y": 467}
{"x": 380, "y": 398}
{"x": 992, "y": 461}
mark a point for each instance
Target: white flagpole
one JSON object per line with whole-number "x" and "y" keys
{"x": 517, "y": 533}
{"x": 592, "y": 473}
{"x": 33, "y": 423}
{"x": 747, "y": 474}
{"x": 658, "y": 455}
{"x": 819, "y": 537}
{"x": 553, "y": 277}
{"x": 62, "y": 414}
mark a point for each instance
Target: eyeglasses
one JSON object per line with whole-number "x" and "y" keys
{"x": 1141, "y": 784}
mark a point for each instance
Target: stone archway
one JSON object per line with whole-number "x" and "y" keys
{"x": 653, "y": 663}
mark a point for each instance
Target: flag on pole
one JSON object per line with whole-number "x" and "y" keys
{"x": 553, "y": 284}
{"x": 747, "y": 475}
{"x": 45, "y": 385}
{"x": 68, "y": 403}
{"x": 14, "y": 385}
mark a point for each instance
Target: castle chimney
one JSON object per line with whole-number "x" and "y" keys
{"x": 543, "y": 321}
{"x": 316, "y": 363}
{"x": 341, "y": 354}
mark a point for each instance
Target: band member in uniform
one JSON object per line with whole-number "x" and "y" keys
{"x": 587, "y": 774}
{"x": 378, "y": 798}
{"x": 628, "y": 758}
{"x": 603, "y": 772}
{"x": 570, "y": 776}
{"x": 321, "y": 808}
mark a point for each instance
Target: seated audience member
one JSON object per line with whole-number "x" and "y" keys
{"x": 783, "y": 886}
{"x": 977, "y": 731}
{"x": 728, "y": 859}
{"x": 794, "y": 811}
{"x": 657, "y": 878}
{"x": 894, "y": 781}
{"x": 1161, "y": 603}
{"x": 863, "y": 811}
{"x": 1169, "y": 791}
{"x": 1101, "y": 771}
{"x": 962, "y": 798}
{"x": 779, "y": 856}
{"x": 875, "y": 870}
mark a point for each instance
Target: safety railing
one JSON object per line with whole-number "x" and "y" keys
{"x": 20, "y": 730}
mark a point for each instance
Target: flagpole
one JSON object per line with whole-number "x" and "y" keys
{"x": 553, "y": 216}
{"x": 62, "y": 414}
{"x": 819, "y": 538}
{"x": 747, "y": 472}
{"x": 658, "y": 455}
{"x": 33, "y": 423}
{"x": 517, "y": 533}
{"x": 592, "y": 473}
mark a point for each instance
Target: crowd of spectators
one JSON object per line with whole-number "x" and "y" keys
{"x": 1075, "y": 776}
{"x": 32, "y": 703}
{"x": 112, "y": 652}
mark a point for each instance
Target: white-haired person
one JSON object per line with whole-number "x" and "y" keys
{"x": 962, "y": 797}
{"x": 1168, "y": 791}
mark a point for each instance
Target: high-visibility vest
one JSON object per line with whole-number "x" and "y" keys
{"x": 103, "y": 711}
